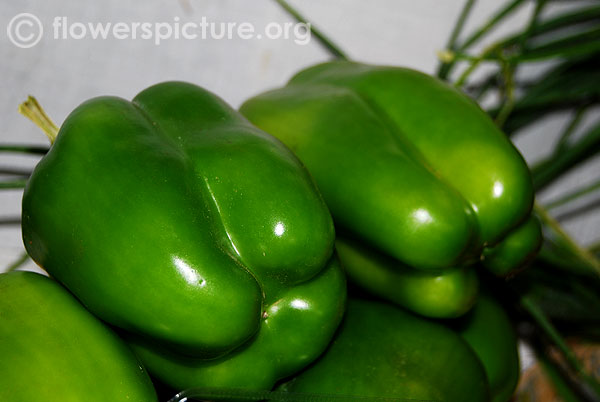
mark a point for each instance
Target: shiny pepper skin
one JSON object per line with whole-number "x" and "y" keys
{"x": 173, "y": 218}
{"x": 490, "y": 333}
{"x": 516, "y": 250}
{"x": 382, "y": 351}
{"x": 408, "y": 166}
{"x": 448, "y": 294}
{"x": 53, "y": 349}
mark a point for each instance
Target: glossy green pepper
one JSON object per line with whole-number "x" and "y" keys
{"x": 407, "y": 165}
{"x": 53, "y": 349}
{"x": 381, "y": 351}
{"x": 447, "y": 294}
{"x": 516, "y": 250}
{"x": 489, "y": 331}
{"x": 295, "y": 330}
{"x": 175, "y": 219}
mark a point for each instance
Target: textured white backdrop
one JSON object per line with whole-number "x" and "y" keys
{"x": 62, "y": 74}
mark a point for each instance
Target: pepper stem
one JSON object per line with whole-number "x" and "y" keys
{"x": 34, "y": 112}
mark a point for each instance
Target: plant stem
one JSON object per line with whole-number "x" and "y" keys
{"x": 34, "y": 112}
{"x": 557, "y": 164}
{"x": 322, "y": 38}
{"x": 573, "y": 195}
{"x": 532, "y": 24}
{"x": 546, "y": 326}
{"x": 5, "y": 185}
{"x": 15, "y": 171}
{"x": 18, "y": 263}
{"x": 500, "y": 15}
{"x": 10, "y": 221}
{"x": 475, "y": 61}
{"x": 590, "y": 383}
{"x": 583, "y": 254}
{"x": 444, "y": 66}
{"x": 510, "y": 68}
{"x": 561, "y": 145}
{"x": 509, "y": 89}
{"x": 26, "y": 149}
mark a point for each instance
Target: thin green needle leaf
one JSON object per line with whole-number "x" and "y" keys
{"x": 509, "y": 70}
{"x": 490, "y": 53}
{"x": 26, "y": 149}
{"x": 570, "y": 304}
{"x": 577, "y": 251}
{"x": 5, "y": 185}
{"x": 502, "y": 13}
{"x": 10, "y": 221}
{"x": 9, "y": 170}
{"x": 581, "y": 43}
{"x": 488, "y": 26}
{"x": 444, "y": 66}
{"x": 479, "y": 89}
{"x": 569, "y": 81}
{"x": 558, "y": 164}
{"x": 484, "y": 89}
{"x": 462, "y": 18}
{"x": 564, "y": 86}
{"x": 557, "y": 378}
{"x": 581, "y": 17}
{"x": 23, "y": 258}
{"x": 566, "y": 264}
{"x": 561, "y": 145}
{"x": 533, "y": 22}
{"x": 546, "y": 326}
{"x": 573, "y": 195}
{"x": 509, "y": 94}
{"x": 587, "y": 207}
{"x": 321, "y": 37}
{"x": 569, "y": 85}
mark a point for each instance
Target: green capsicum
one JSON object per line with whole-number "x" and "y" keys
{"x": 383, "y": 352}
{"x": 53, "y": 349}
{"x": 489, "y": 331}
{"x": 174, "y": 219}
{"x": 517, "y": 249}
{"x": 409, "y": 167}
{"x": 450, "y": 293}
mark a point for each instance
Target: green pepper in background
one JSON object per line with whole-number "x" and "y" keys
{"x": 174, "y": 219}
{"x": 53, "y": 349}
{"x": 448, "y": 294}
{"x": 381, "y": 351}
{"x": 516, "y": 250}
{"x": 489, "y": 331}
{"x": 407, "y": 165}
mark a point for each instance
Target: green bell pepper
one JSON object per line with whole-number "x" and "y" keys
{"x": 53, "y": 349}
{"x": 447, "y": 294}
{"x": 489, "y": 331}
{"x": 176, "y": 220}
{"x": 516, "y": 250}
{"x": 407, "y": 165}
{"x": 381, "y": 351}
{"x": 296, "y": 329}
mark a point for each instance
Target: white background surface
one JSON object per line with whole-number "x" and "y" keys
{"x": 64, "y": 73}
